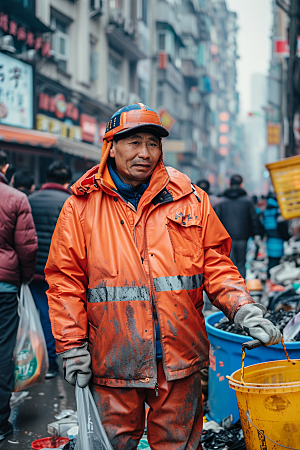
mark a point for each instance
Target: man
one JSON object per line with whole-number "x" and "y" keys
{"x": 18, "y": 247}
{"x": 205, "y": 186}
{"x": 46, "y": 205}
{"x": 237, "y": 214}
{"x": 130, "y": 255}
{"x": 23, "y": 180}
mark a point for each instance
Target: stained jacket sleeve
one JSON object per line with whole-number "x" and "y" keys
{"x": 66, "y": 275}
{"x": 223, "y": 283}
{"x": 25, "y": 241}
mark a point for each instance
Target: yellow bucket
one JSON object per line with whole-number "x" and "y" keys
{"x": 269, "y": 404}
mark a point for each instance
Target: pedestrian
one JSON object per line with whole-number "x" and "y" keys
{"x": 18, "y": 247}
{"x": 237, "y": 214}
{"x": 23, "y": 180}
{"x": 46, "y": 205}
{"x": 133, "y": 249}
{"x": 276, "y": 231}
{"x": 205, "y": 186}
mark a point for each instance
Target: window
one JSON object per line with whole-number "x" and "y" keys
{"x": 94, "y": 62}
{"x": 114, "y": 70}
{"x": 144, "y": 92}
{"x": 60, "y": 42}
{"x": 161, "y": 41}
{"x": 115, "y": 4}
{"x": 145, "y": 11}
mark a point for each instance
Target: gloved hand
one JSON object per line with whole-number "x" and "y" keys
{"x": 250, "y": 317}
{"x": 77, "y": 363}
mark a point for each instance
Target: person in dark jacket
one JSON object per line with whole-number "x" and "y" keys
{"x": 205, "y": 186}
{"x": 23, "y": 180}
{"x": 46, "y": 205}
{"x": 18, "y": 248}
{"x": 237, "y": 214}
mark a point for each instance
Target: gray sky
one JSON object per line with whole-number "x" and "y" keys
{"x": 254, "y": 43}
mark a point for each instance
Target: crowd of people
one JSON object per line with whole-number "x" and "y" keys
{"x": 127, "y": 258}
{"x": 28, "y": 218}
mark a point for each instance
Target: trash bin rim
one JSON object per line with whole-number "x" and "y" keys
{"x": 216, "y": 317}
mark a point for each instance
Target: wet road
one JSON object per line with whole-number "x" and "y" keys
{"x": 31, "y": 417}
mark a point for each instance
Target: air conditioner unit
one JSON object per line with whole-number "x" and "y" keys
{"x": 129, "y": 26}
{"x": 133, "y": 98}
{"x": 120, "y": 95}
{"x": 97, "y": 9}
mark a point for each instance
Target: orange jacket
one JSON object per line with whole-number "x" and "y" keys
{"x": 108, "y": 264}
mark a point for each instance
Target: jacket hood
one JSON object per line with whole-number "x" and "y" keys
{"x": 234, "y": 193}
{"x": 178, "y": 183}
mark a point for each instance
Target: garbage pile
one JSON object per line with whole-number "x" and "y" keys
{"x": 279, "y": 318}
{"x": 216, "y": 437}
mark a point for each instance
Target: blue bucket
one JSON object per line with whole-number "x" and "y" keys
{"x": 225, "y": 358}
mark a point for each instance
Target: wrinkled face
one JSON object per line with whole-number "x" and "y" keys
{"x": 136, "y": 157}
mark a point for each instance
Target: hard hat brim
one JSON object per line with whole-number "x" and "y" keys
{"x": 157, "y": 130}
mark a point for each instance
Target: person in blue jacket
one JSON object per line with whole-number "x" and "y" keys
{"x": 275, "y": 247}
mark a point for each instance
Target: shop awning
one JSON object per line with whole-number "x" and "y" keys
{"x": 27, "y": 137}
{"x": 81, "y": 149}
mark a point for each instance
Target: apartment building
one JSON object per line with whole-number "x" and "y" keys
{"x": 81, "y": 60}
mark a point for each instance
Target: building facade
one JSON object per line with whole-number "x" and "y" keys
{"x": 74, "y": 63}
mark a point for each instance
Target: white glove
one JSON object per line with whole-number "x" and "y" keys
{"x": 250, "y": 317}
{"x": 77, "y": 363}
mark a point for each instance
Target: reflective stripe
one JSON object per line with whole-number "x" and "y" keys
{"x": 117, "y": 294}
{"x": 178, "y": 283}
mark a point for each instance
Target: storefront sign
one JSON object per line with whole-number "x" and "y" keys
{"x": 273, "y": 131}
{"x": 89, "y": 127}
{"x": 11, "y": 27}
{"x": 58, "y": 105}
{"x": 16, "y": 92}
{"x": 166, "y": 119}
{"x": 58, "y": 127}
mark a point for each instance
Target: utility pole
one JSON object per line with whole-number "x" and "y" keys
{"x": 290, "y": 149}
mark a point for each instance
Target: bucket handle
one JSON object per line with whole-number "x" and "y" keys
{"x": 263, "y": 434}
{"x": 255, "y": 343}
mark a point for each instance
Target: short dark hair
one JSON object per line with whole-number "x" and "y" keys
{"x": 3, "y": 159}
{"x": 23, "y": 178}
{"x": 236, "y": 180}
{"x": 59, "y": 172}
{"x": 204, "y": 184}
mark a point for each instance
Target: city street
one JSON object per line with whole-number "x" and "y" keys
{"x": 31, "y": 417}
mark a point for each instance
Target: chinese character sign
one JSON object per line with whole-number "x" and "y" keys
{"x": 16, "y": 92}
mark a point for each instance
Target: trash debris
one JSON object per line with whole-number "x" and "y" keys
{"x": 64, "y": 413}
{"x": 212, "y": 425}
{"x": 70, "y": 445}
{"x": 61, "y": 427}
{"x": 291, "y": 332}
{"x": 143, "y": 444}
{"x": 278, "y": 318}
{"x": 73, "y": 432}
{"x": 224, "y": 439}
{"x": 49, "y": 442}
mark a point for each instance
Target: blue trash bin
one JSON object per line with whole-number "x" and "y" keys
{"x": 225, "y": 358}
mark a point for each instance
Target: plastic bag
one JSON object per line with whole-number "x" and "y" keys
{"x": 91, "y": 434}
{"x": 292, "y": 329}
{"x": 30, "y": 353}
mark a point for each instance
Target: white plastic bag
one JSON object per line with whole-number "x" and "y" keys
{"x": 30, "y": 353}
{"x": 91, "y": 434}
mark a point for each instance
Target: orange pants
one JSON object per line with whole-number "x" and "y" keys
{"x": 175, "y": 416}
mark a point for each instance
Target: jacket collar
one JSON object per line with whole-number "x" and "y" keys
{"x": 3, "y": 178}
{"x": 176, "y": 183}
{"x": 55, "y": 186}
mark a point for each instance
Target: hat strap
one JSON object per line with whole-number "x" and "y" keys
{"x": 104, "y": 155}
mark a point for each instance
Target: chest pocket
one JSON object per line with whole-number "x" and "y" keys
{"x": 185, "y": 231}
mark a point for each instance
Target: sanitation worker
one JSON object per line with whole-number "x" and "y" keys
{"x": 133, "y": 249}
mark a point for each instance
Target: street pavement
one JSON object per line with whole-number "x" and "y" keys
{"x": 31, "y": 417}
